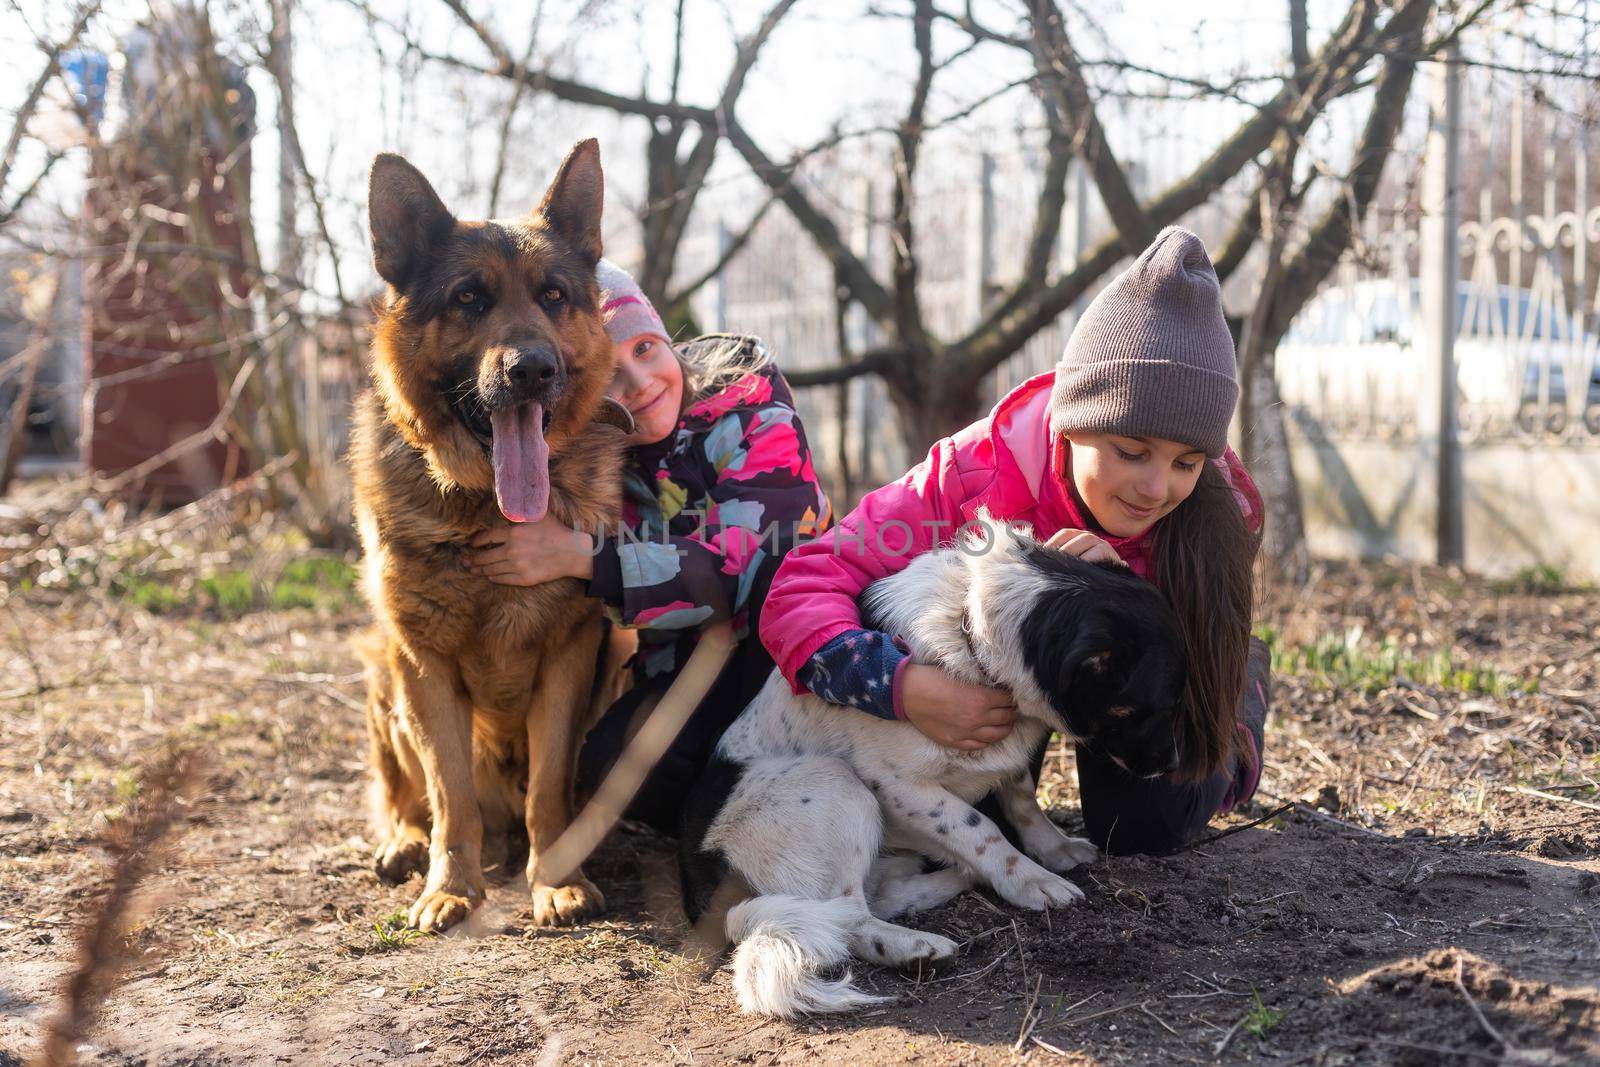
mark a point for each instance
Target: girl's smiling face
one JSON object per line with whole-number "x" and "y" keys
{"x": 1130, "y": 482}
{"x": 649, "y": 383}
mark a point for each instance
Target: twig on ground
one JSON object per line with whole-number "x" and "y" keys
{"x": 725, "y": 1041}
{"x": 1302, "y": 808}
{"x": 979, "y": 936}
{"x": 1103, "y": 1014}
{"x": 1029, "y": 1020}
{"x": 1217, "y": 991}
{"x": 1078, "y": 1004}
{"x": 323, "y": 684}
{"x": 1022, "y": 953}
{"x": 39, "y": 683}
{"x": 986, "y": 902}
{"x": 1416, "y": 765}
{"x": 1219, "y": 835}
{"x": 1227, "y": 1037}
{"x": 1145, "y": 1007}
{"x": 1048, "y": 1047}
{"x": 1542, "y": 795}
{"x": 975, "y": 975}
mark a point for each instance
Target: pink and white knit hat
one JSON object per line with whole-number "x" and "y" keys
{"x": 624, "y": 307}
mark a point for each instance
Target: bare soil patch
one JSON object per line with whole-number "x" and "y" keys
{"x": 1433, "y": 897}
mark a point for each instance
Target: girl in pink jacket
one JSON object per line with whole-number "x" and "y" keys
{"x": 1120, "y": 455}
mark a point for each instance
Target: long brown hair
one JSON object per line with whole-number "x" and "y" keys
{"x": 1204, "y": 561}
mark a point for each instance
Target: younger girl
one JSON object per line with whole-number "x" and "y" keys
{"x": 719, "y": 485}
{"x": 1119, "y": 455}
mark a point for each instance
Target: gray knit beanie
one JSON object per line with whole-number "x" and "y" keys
{"x": 1152, "y": 356}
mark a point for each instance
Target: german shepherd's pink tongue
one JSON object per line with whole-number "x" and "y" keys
{"x": 521, "y": 462}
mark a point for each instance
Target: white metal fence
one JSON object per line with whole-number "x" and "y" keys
{"x": 1527, "y": 336}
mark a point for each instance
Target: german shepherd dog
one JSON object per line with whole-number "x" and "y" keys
{"x": 821, "y": 815}
{"x": 489, "y": 364}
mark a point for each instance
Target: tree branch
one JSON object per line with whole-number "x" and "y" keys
{"x": 677, "y": 53}
{"x": 908, "y": 146}
{"x": 9, "y": 211}
{"x": 1061, "y": 75}
{"x": 780, "y": 179}
{"x": 1299, "y": 50}
{"x": 685, "y": 180}
{"x": 510, "y": 114}
{"x": 1037, "y": 261}
{"x": 735, "y": 246}
{"x": 873, "y": 362}
{"x": 282, "y": 77}
{"x": 1330, "y": 238}
{"x": 30, "y": 103}
{"x": 1033, "y": 304}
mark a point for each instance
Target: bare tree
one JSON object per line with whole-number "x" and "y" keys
{"x": 49, "y": 70}
{"x": 680, "y": 150}
{"x": 934, "y": 380}
{"x": 1287, "y": 286}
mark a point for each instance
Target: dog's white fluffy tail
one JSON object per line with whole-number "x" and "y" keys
{"x": 783, "y": 942}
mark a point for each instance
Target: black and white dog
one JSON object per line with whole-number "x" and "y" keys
{"x": 821, "y": 815}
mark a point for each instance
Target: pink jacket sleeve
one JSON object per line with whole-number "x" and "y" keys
{"x": 812, "y": 599}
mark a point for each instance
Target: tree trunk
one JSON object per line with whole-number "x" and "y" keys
{"x": 931, "y": 404}
{"x": 661, "y": 238}
{"x": 1267, "y": 457}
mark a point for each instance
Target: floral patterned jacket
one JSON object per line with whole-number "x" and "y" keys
{"x": 708, "y": 512}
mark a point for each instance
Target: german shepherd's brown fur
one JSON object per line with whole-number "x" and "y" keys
{"x": 469, "y": 682}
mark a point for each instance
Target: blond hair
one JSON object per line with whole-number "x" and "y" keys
{"x": 715, "y": 361}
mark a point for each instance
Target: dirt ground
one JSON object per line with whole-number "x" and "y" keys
{"x": 1418, "y": 904}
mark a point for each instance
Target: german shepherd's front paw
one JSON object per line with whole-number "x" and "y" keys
{"x": 401, "y": 856}
{"x": 566, "y": 905}
{"x": 436, "y": 911}
{"x": 453, "y": 890}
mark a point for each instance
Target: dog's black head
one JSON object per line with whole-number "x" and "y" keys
{"x": 1101, "y": 645}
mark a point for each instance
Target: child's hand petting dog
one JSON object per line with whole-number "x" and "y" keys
{"x": 530, "y": 553}
{"x": 953, "y": 713}
{"x": 1086, "y": 546}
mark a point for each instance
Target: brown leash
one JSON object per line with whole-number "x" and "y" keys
{"x": 643, "y": 751}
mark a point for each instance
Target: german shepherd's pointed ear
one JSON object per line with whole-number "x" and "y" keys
{"x": 572, "y": 205}
{"x": 406, "y": 217}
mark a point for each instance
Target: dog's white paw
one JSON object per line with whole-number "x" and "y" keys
{"x": 1038, "y": 889}
{"x": 935, "y": 948}
{"x": 1065, "y": 853}
{"x": 899, "y": 946}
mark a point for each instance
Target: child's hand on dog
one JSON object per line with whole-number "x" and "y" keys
{"x": 530, "y": 553}
{"x": 953, "y": 713}
{"x": 1086, "y": 546}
